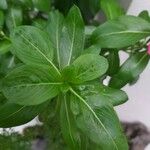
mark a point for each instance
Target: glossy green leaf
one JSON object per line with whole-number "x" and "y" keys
{"x": 111, "y": 8}
{"x": 94, "y": 49}
{"x": 130, "y": 70}
{"x": 14, "y": 18}
{"x": 72, "y": 41}
{"x": 14, "y": 115}
{"x": 114, "y": 96}
{"x": 98, "y": 121}
{"x": 42, "y": 5}
{"x": 33, "y": 46}
{"x": 28, "y": 85}
{"x": 85, "y": 68}
{"x": 121, "y": 32}
{"x": 3, "y": 4}
{"x": 54, "y": 29}
{"x": 69, "y": 130}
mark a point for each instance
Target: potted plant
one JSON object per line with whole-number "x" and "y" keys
{"x": 54, "y": 65}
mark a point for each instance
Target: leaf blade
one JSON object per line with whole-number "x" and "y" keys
{"x": 72, "y": 41}
{"x": 121, "y": 32}
{"x": 28, "y": 85}
{"x": 114, "y": 141}
{"x": 85, "y": 68}
{"x": 33, "y": 46}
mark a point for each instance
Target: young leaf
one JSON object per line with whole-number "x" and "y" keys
{"x": 97, "y": 120}
{"x": 14, "y": 115}
{"x": 111, "y": 8}
{"x": 28, "y": 85}
{"x": 72, "y": 42}
{"x": 14, "y": 18}
{"x": 69, "y": 130}
{"x": 130, "y": 70}
{"x": 54, "y": 29}
{"x": 85, "y": 68}
{"x": 121, "y": 32}
{"x": 33, "y": 46}
{"x": 42, "y": 5}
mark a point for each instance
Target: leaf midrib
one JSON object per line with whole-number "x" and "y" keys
{"x": 125, "y": 32}
{"x": 38, "y": 50}
{"x": 72, "y": 44}
{"x": 94, "y": 114}
{"x": 37, "y": 84}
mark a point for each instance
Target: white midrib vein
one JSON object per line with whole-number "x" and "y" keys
{"x": 94, "y": 114}
{"x": 57, "y": 43}
{"x": 72, "y": 42}
{"x": 69, "y": 125}
{"x": 124, "y": 32}
{"x": 36, "y": 84}
{"x": 41, "y": 53}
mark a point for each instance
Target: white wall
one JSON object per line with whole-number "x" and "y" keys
{"x": 138, "y": 106}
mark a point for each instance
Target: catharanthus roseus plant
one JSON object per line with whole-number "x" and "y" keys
{"x": 60, "y": 73}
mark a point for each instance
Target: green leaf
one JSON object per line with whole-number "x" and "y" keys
{"x": 40, "y": 23}
{"x": 4, "y": 46}
{"x": 14, "y": 115}
{"x": 114, "y": 96}
{"x": 33, "y": 46}
{"x": 85, "y": 68}
{"x": 145, "y": 15}
{"x": 114, "y": 62}
{"x": 14, "y": 18}
{"x": 121, "y": 32}
{"x": 68, "y": 128}
{"x": 111, "y": 8}
{"x": 72, "y": 42}
{"x": 1, "y": 19}
{"x": 130, "y": 70}
{"x": 54, "y": 29}
{"x": 94, "y": 49}
{"x": 98, "y": 121}
{"x": 3, "y": 4}
{"x": 28, "y": 85}
{"x": 42, "y": 5}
